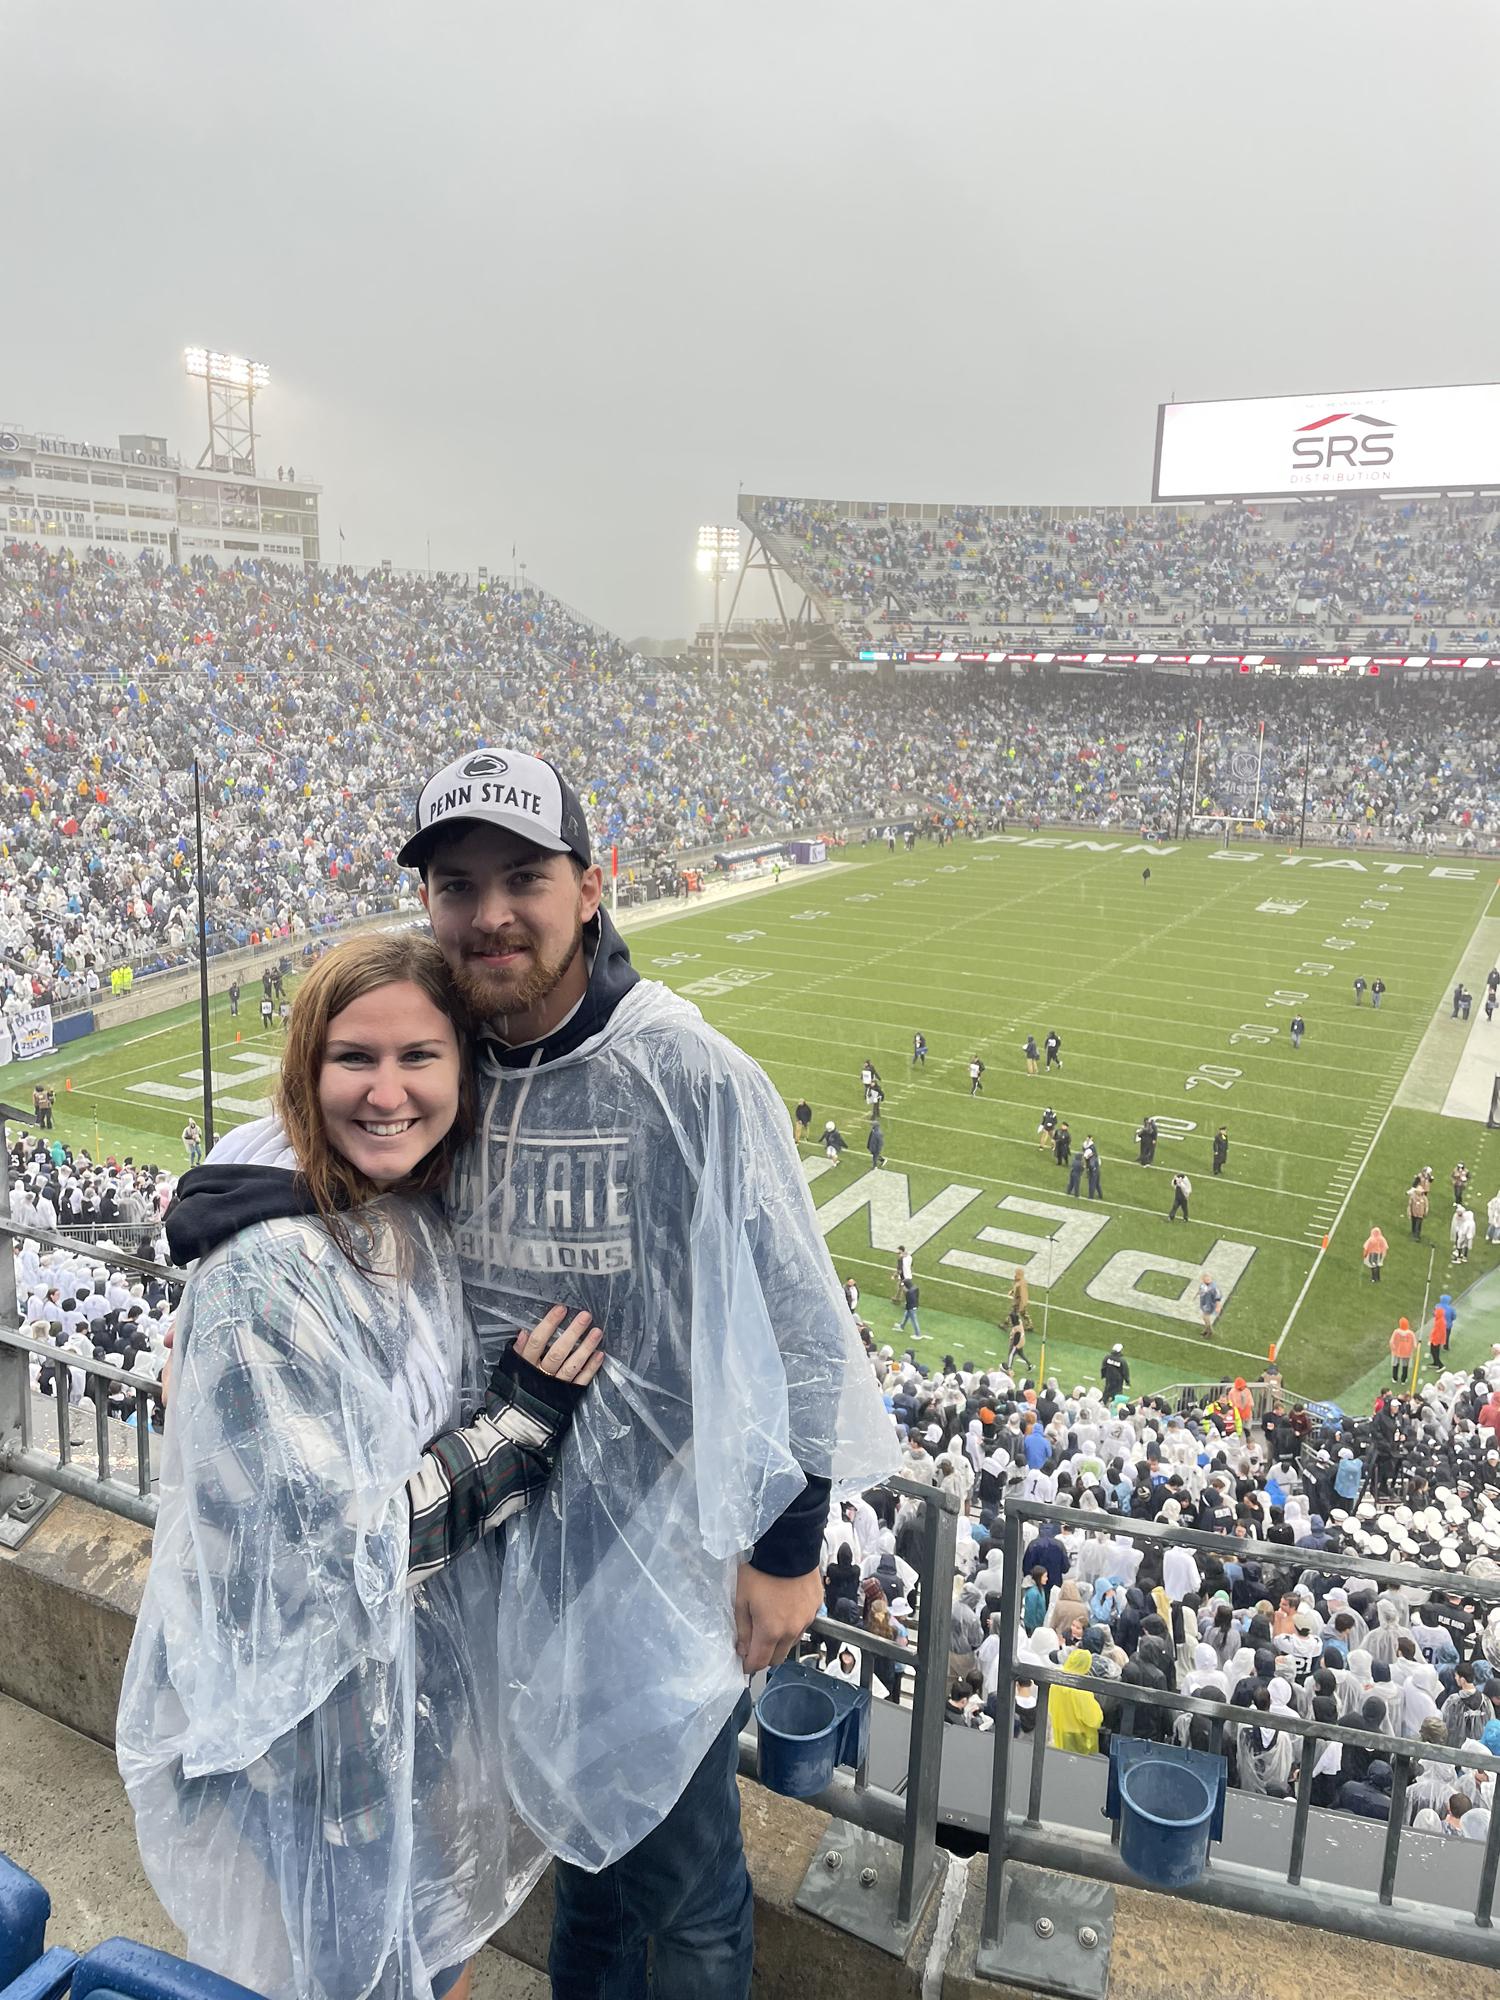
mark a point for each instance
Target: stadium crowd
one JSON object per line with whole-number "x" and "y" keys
{"x": 1259, "y": 1636}
{"x": 76, "y": 1299}
{"x": 299, "y": 694}
{"x": 1209, "y": 571}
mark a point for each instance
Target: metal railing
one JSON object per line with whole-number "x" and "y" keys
{"x": 908, "y": 1816}
{"x": 1226, "y": 1884}
{"x": 21, "y": 1458}
{"x": 1184, "y": 1396}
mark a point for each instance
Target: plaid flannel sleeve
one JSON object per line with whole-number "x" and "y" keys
{"x": 471, "y": 1480}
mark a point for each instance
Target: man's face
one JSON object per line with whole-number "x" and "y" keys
{"x": 508, "y": 917}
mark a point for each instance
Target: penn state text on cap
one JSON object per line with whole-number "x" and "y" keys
{"x": 505, "y": 788}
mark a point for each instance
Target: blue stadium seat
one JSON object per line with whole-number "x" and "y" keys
{"x": 46, "y": 1978}
{"x": 24, "y": 1909}
{"x": 120, "y": 1970}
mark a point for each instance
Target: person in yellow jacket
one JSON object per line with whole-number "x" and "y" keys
{"x": 1072, "y": 1713}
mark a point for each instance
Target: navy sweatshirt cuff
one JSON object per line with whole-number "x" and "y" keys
{"x": 793, "y": 1544}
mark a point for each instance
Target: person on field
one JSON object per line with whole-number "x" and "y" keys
{"x": 1062, "y": 1143}
{"x": 1377, "y": 992}
{"x": 1145, "y": 1139}
{"x": 1114, "y": 1373}
{"x": 976, "y": 1077}
{"x": 1030, "y": 1053}
{"x": 1053, "y": 1046}
{"x": 1210, "y": 1304}
{"x": 1374, "y": 1252}
{"x": 919, "y": 1050}
{"x": 1045, "y": 1129}
{"x": 1221, "y": 1149}
{"x": 1437, "y": 1337}
{"x": 875, "y": 1144}
{"x": 1464, "y": 1227}
{"x": 1298, "y": 1030}
{"x": 1359, "y": 990}
{"x": 1403, "y": 1345}
{"x": 1416, "y": 1205}
{"x": 833, "y": 1141}
{"x": 801, "y": 1120}
{"x": 1182, "y": 1189}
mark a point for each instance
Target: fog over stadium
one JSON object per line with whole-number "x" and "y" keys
{"x": 560, "y": 278}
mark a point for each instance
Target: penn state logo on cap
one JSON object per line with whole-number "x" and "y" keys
{"x": 509, "y": 789}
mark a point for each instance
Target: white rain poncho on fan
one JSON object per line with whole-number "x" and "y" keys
{"x": 650, "y": 1176}
{"x": 309, "y": 1745}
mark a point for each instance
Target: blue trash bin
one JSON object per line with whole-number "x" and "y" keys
{"x": 799, "y": 1738}
{"x": 1165, "y": 1814}
{"x": 24, "y": 1909}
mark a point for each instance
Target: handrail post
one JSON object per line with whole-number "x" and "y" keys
{"x": 1005, "y": 1692}
{"x": 924, "y": 1767}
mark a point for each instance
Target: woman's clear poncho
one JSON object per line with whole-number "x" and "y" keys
{"x": 309, "y": 1745}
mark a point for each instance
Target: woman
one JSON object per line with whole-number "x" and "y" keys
{"x": 308, "y": 1743}
{"x": 1416, "y": 1206}
{"x": 1374, "y": 1251}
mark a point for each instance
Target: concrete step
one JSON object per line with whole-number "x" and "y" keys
{"x": 64, "y": 1817}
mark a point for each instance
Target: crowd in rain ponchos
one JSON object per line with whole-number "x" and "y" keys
{"x": 1266, "y": 1637}
{"x": 932, "y": 580}
{"x": 302, "y": 693}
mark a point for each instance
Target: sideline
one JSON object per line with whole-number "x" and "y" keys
{"x": 1433, "y": 1081}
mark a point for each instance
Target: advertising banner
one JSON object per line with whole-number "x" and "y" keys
{"x": 1353, "y": 441}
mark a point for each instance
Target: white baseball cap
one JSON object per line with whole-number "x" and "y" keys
{"x": 505, "y": 788}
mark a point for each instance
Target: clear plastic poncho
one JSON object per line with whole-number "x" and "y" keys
{"x": 310, "y": 1745}
{"x": 651, "y": 1177}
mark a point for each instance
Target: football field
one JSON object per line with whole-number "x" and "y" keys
{"x": 1171, "y": 996}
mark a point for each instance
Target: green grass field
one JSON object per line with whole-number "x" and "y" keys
{"x": 1171, "y": 996}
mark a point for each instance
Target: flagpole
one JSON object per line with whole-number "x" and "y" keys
{"x": 203, "y": 1029}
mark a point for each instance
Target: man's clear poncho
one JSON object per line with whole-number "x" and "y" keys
{"x": 309, "y": 1745}
{"x": 651, "y": 1177}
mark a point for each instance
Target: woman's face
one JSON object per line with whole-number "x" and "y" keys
{"x": 388, "y": 1089}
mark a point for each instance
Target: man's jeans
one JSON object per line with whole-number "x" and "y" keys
{"x": 685, "y": 1887}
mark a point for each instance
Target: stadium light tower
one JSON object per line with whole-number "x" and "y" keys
{"x": 230, "y": 383}
{"x": 718, "y": 557}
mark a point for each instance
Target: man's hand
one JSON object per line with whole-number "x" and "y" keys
{"x": 771, "y": 1613}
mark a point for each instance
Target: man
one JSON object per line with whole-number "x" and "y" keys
{"x": 901, "y": 1275}
{"x": 1114, "y": 1373}
{"x": 1359, "y": 989}
{"x": 976, "y": 1077}
{"x": 1091, "y": 1168}
{"x": 1145, "y": 1138}
{"x": 1221, "y": 1148}
{"x": 833, "y": 1142}
{"x": 1377, "y": 988}
{"x": 801, "y": 1119}
{"x": 1210, "y": 1304}
{"x": 875, "y": 1143}
{"x": 1458, "y": 998}
{"x": 912, "y": 1298}
{"x": 1299, "y": 1029}
{"x": 1045, "y": 1129}
{"x": 234, "y": 999}
{"x": 1075, "y": 1172}
{"x": 919, "y": 1050}
{"x": 627, "y": 1154}
{"x": 1182, "y": 1187}
{"x": 1053, "y": 1047}
{"x": 1062, "y": 1143}
{"x": 192, "y": 1140}
{"x": 265, "y": 1009}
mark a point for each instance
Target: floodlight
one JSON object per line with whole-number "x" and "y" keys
{"x": 195, "y": 360}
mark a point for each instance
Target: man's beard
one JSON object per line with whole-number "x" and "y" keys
{"x": 490, "y": 993}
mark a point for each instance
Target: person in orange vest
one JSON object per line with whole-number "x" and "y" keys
{"x": 1374, "y": 1251}
{"x": 1403, "y": 1347}
{"x": 1242, "y": 1404}
{"x": 1437, "y": 1338}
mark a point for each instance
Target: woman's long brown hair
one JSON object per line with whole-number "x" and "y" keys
{"x": 345, "y": 975}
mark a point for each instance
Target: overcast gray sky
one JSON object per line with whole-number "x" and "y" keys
{"x": 567, "y": 275}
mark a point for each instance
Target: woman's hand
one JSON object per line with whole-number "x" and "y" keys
{"x": 571, "y": 1352}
